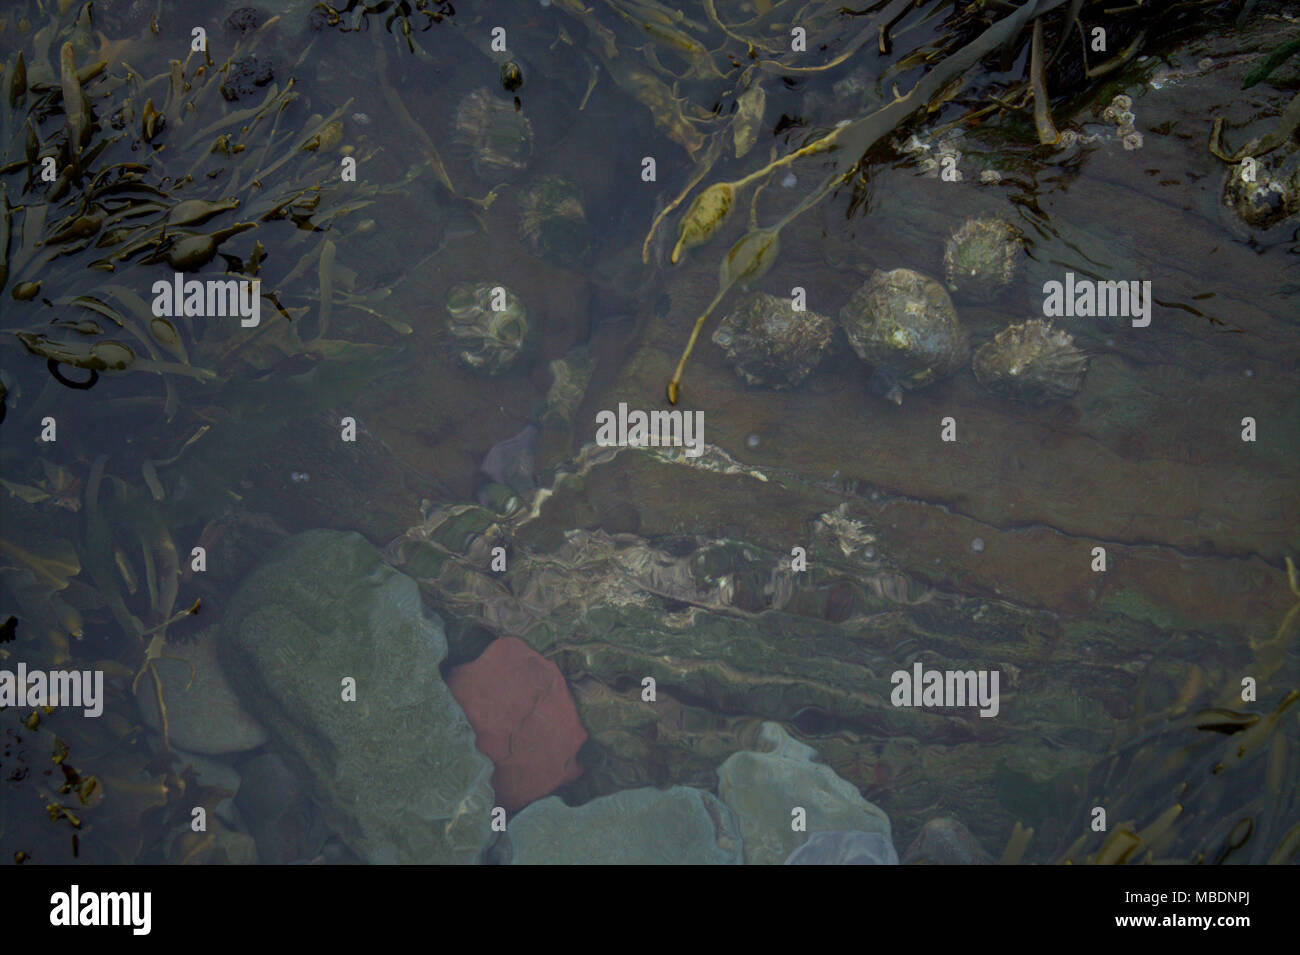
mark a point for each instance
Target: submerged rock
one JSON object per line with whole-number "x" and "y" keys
{"x": 278, "y": 812}
{"x": 395, "y": 770}
{"x": 219, "y": 845}
{"x": 979, "y": 259}
{"x": 499, "y": 498}
{"x": 244, "y": 77}
{"x": 622, "y": 599}
{"x": 905, "y": 322}
{"x": 845, "y": 848}
{"x": 1033, "y": 362}
{"x": 524, "y": 720}
{"x": 244, "y": 20}
{"x": 511, "y": 462}
{"x": 677, "y": 826}
{"x": 203, "y": 714}
{"x": 763, "y": 789}
{"x": 770, "y": 343}
{"x": 945, "y": 841}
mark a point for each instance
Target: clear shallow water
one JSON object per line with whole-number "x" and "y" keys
{"x": 1145, "y": 461}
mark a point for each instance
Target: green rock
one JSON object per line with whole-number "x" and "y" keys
{"x": 396, "y": 772}
{"x": 677, "y": 826}
{"x": 203, "y": 713}
{"x": 762, "y": 790}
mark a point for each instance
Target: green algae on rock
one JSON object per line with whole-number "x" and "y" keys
{"x": 320, "y": 609}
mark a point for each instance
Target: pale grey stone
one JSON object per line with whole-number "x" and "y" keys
{"x": 677, "y": 826}
{"x": 845, "y": 848}
{"x": 203, "y": 716}
{"x": 763, "y": 789}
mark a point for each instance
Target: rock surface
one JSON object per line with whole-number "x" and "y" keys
{"x": 396, "y": 771}
{"x": 763, "y": 788}
{"x": 278, "y": 813}
{"x": 524, "y": 720}
{"x": 603, "y": 605}
{"x": 945, "y": 841}
{"x": 511, "y": 461}
{"x": 1081, "y": 652}
{"x": 845, "y": 848}
{"x": 204, "y": 716}
{"x": 677, "y": 826}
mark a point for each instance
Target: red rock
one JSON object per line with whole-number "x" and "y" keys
{"x": 524, "y": 719}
